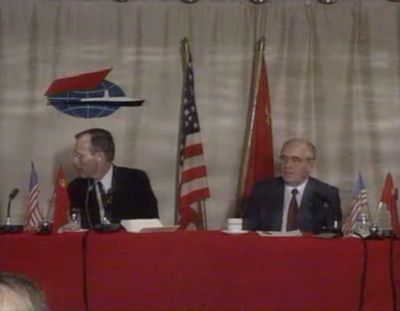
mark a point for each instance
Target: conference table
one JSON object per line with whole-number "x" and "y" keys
{"x": 206, "y": 270}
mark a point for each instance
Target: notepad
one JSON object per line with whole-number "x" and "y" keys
{"x": 294, "y": 233}
{"x": 146, "y": 225}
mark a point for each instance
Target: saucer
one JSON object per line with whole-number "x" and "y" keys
{"x": 235, "y": 232}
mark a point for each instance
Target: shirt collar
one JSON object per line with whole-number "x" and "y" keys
{"x": 107, "y": 178}
{"x": 300, "y": 187}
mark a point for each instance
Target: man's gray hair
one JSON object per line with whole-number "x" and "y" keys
{"x": 32, "y": 297}
{"x": 310, "y": 146}
{"x": 101, "y": 140}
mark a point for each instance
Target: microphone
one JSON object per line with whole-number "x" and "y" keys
{"x": 109, "y": 225}
{"x": 90, "y": 187}
{"x": 8, "y": 228}
{"x": 11, "y": 197}
{"x": 13, "y": 193}
{"x": 335, "y": 227}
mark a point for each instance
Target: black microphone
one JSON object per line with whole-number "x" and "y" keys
{"x": 335, "y": 227}
{"x": 11, "y": 197}
{"x": 13, "y": 193}
{"x": 8, "y": 228}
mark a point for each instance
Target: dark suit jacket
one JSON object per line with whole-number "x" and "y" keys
{"x": 130, "y": 197}
{"x": 265, "y": 209}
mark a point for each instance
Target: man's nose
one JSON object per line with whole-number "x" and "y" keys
{"x": 287, "y": 163}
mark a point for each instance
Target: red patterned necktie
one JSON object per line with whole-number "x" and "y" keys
{"x": 293, "y": 211}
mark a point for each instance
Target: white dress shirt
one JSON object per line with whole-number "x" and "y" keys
{"x": 288, "y": 197}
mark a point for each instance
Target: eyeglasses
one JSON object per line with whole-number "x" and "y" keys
{"x": 293, "y": 160}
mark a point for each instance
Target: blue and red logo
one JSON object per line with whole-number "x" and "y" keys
{"x": 88, "y": 95}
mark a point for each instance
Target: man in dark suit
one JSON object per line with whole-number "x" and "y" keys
{"x": 294, "y": 200}
{"x": 103, "y": 191}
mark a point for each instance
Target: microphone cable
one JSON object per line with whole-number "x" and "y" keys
{"x": 89, "y": 189}
{"x": 363, "y": 278}
{"x": 393, "y": 238}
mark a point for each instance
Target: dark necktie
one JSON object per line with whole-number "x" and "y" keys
{"x": 103, "y": 197}
{"x": 106, "y": 199}
{"x": 293, "y": 211}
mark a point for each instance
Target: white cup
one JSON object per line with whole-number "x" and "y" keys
{"x": 235, "y": 224}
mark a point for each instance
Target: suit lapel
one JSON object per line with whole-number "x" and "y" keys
{"x": 277, "y": 211}
{"x": 115, "y": 185}
{"x": 305, "y": 220}
{"x": 115, "y": 176}
{"x": 93, "y": 204}
{"x": 308, "y": 193}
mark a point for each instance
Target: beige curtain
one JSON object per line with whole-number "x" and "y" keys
{"x": 333, "y": 73}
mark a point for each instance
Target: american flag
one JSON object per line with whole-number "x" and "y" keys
{"x": 34, "y": 214}
{"x": 193, "y": 185}
{"x": 359, "y": 205}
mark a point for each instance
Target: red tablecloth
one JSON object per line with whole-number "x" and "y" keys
{"x": 212, "y": 270}
{"x": 54, "y": 262}
{"x": 203, "y": 270}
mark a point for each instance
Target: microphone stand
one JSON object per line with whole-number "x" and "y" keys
{"x": 45, "y": 227}
{"x": 108, "y": 225}
{"x": 335, "y": 227}
{"x": 374, "y": 233}
{"x": 8, "y": 227}
{"x": 8, "y": 219}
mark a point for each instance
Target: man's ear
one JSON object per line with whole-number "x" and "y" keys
{"x": 311, "y": 164}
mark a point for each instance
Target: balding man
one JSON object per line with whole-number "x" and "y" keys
{"x": 18, "y": 293}
{"x": 295, "y": 200}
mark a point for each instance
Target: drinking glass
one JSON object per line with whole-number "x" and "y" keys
{"x": 74, "y": 223}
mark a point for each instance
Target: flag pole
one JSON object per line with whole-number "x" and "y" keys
{"x": 201, "y": 207}
{"x": 184, "y": 54}
{"x": 204, "y": 217}
{"x": 378, "y": 212}
{"x": 259, "y": 54}
{"x": 51, "y": 202}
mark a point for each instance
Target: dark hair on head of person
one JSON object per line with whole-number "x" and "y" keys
{"x": 101, "y": 140}
{"x": 31, "y": 295}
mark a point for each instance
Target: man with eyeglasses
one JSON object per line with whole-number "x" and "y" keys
{"x": 295, "y": 200}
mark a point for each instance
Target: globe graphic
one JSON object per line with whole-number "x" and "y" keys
{"x": 68, "y": 102}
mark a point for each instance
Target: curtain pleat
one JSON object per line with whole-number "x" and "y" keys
{"x": 333, "y": 73}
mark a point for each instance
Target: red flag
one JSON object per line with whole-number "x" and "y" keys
{"x": 260, "y": 162}
{"x": 389, "y": 197}
{"x": 61, "y": 201}
{"x": 261, "y": 159}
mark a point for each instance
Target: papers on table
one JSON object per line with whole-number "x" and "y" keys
{"x": 68, "y": 230}
{"x": 279, "y": 233}
{"x": 326, "y": 235}
{"x": 146, "y": 225}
